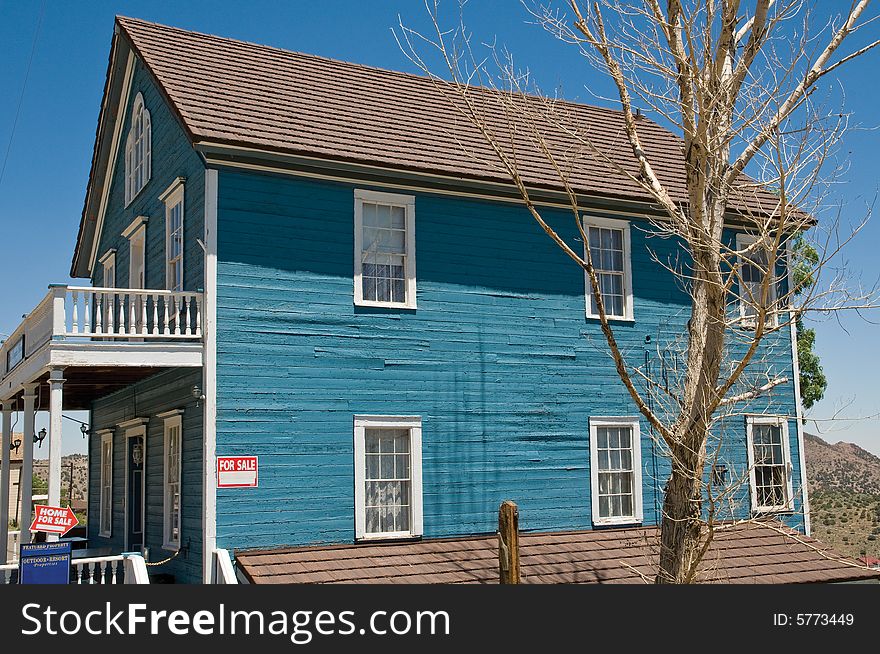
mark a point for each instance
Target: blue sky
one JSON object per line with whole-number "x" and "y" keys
{"x": 42, "y": 188}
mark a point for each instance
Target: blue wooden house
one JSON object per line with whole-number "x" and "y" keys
{"x": 316, "y": 263}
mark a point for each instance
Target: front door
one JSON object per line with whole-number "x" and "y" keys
{"x": 135, "y": 492}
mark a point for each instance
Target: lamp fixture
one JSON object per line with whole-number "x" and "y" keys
{"x": 14, "y": 445}
{"x": 40, "y": 437}
{"x": 137, "y": 452}
{"x": 197, "y": 393}
{"x": 84, "y": 429}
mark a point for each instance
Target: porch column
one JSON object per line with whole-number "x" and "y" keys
{"x": 26, "y": 481}
{"x": 6, "y": 407}
{"x": 56, "y": 381}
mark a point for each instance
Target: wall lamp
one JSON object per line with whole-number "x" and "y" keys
{"x": 40, "y": 437}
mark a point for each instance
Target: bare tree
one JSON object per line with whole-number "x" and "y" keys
{"x": 738, "y": 84}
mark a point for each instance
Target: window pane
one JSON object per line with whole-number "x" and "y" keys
{"x": 398, "y": 217}
{"x": 388, "y": 459}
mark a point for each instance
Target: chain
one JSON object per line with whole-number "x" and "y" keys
{"x": 163, "y": 561}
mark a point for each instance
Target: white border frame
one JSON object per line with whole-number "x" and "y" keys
{"x": 106, "y": 436}
{"x": 414, "y": 424}
{"x": 782, "y": 423}
{"x": 408, "y": 202}
{"x": 173, "y": 195}
{"x": 623, "y": 225}
{"x": 616, "y": 421}
{"x": 171, "y": 419}
{"x": 748, "y": 322}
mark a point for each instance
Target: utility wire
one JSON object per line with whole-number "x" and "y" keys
{"x": 27, "y": 74}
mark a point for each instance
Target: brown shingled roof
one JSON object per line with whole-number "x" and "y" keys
{"x": 233, "y": 92}
{"x": 745, "y": 553}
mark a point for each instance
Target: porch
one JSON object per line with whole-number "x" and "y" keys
{"x": 77, "y": 345}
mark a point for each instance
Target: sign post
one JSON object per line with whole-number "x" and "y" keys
{"x": 237, "y": 472}
{"x": 44, "y": 563}
{"x": 53, "y": 519}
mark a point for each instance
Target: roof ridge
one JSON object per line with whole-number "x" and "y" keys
{"x": 420, "y": 78}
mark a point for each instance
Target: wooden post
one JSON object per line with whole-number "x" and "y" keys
{"x": 508, "y": 543}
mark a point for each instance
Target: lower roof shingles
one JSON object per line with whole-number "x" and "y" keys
{"x": 751, "y": 552}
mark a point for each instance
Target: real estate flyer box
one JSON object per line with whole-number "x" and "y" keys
{"x": 44, "y": 563}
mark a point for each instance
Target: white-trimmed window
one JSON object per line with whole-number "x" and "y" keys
{"x": 610, "y": 252}
{"x": 171, "y": 484}
{"x": 105, "y": 501}
{"x": 769, "y": 464}
{"x": 138, "y": 155}
{"x": 108, "y": 264}
{"x": 753, "y": 266}
{"x": 616, "y": 470}
{"x": 173, "y": 199}
{"x": 384, "y": 249}
{"x": 388, "y": 476}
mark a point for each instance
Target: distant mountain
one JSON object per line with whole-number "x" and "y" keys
{"x": 78, "y": 463}
{"x": 844, "y": 485}
{"x": 842, "y": 466}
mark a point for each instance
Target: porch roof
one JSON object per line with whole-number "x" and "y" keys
{"x": 747, "y": 553}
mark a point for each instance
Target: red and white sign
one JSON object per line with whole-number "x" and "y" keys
{"x": 53, "y": 519}
{"x": 237, "y": 472}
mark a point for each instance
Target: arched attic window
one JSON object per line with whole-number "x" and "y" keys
{"x": 137, "y": 150}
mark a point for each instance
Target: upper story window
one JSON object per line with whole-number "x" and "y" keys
{"x": 137, "y": 150}
{"x": 754, "y": 268}
{"x": 615, "y": 470}
{"x": 388, "y": 476}
{"x": 173, "y": 199}
{"x": 384, "y": 250}
{"x": 769, "y": 463}
{"x": 108, "y": 264}
{"x": 610, "y": 253}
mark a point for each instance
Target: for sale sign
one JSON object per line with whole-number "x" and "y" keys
{"x": 53, "y": 519}
{"x": 237, "y": 472}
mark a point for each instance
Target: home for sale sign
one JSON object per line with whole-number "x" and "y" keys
{"x": 236, "y": 472}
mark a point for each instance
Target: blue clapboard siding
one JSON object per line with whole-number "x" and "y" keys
{"x": 499, "y": 360}
{"x": 159, "y": 393}
{"x": 172, "y": 157}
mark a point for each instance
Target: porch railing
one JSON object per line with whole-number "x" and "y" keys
{"x": 12, "y": 546}
{"x": 118, "y": 569}
{"x": 224, "y": 572}
{"x": 106, "y": 314}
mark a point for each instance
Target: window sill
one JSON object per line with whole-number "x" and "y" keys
{"x": 104, "y": 534}
{"x": 396, "y": 535}
{"x": 612, "y": 318}
{"x": 171, "y": 548}
{"x": 773, "y": 510}
{"x": 385, "y": 305}
{"x": 618, "y": 522}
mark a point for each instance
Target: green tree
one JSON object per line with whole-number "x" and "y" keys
{"x": 812, "y": 377}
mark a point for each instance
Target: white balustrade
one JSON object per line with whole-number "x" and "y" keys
{"x": 102, "y": 570}
{"x": 99, "y": 570}
{"x": 109, "y": 313}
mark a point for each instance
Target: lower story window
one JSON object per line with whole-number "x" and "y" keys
{"x": 105, "y": 507}
{"x": 388, "y": 476}
{"x": 616, "y": 479}
{"x": 172, "y": 489}
{"x": 769, "y": 463}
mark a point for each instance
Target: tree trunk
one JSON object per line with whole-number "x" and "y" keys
{"x": 680, "y": 529}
